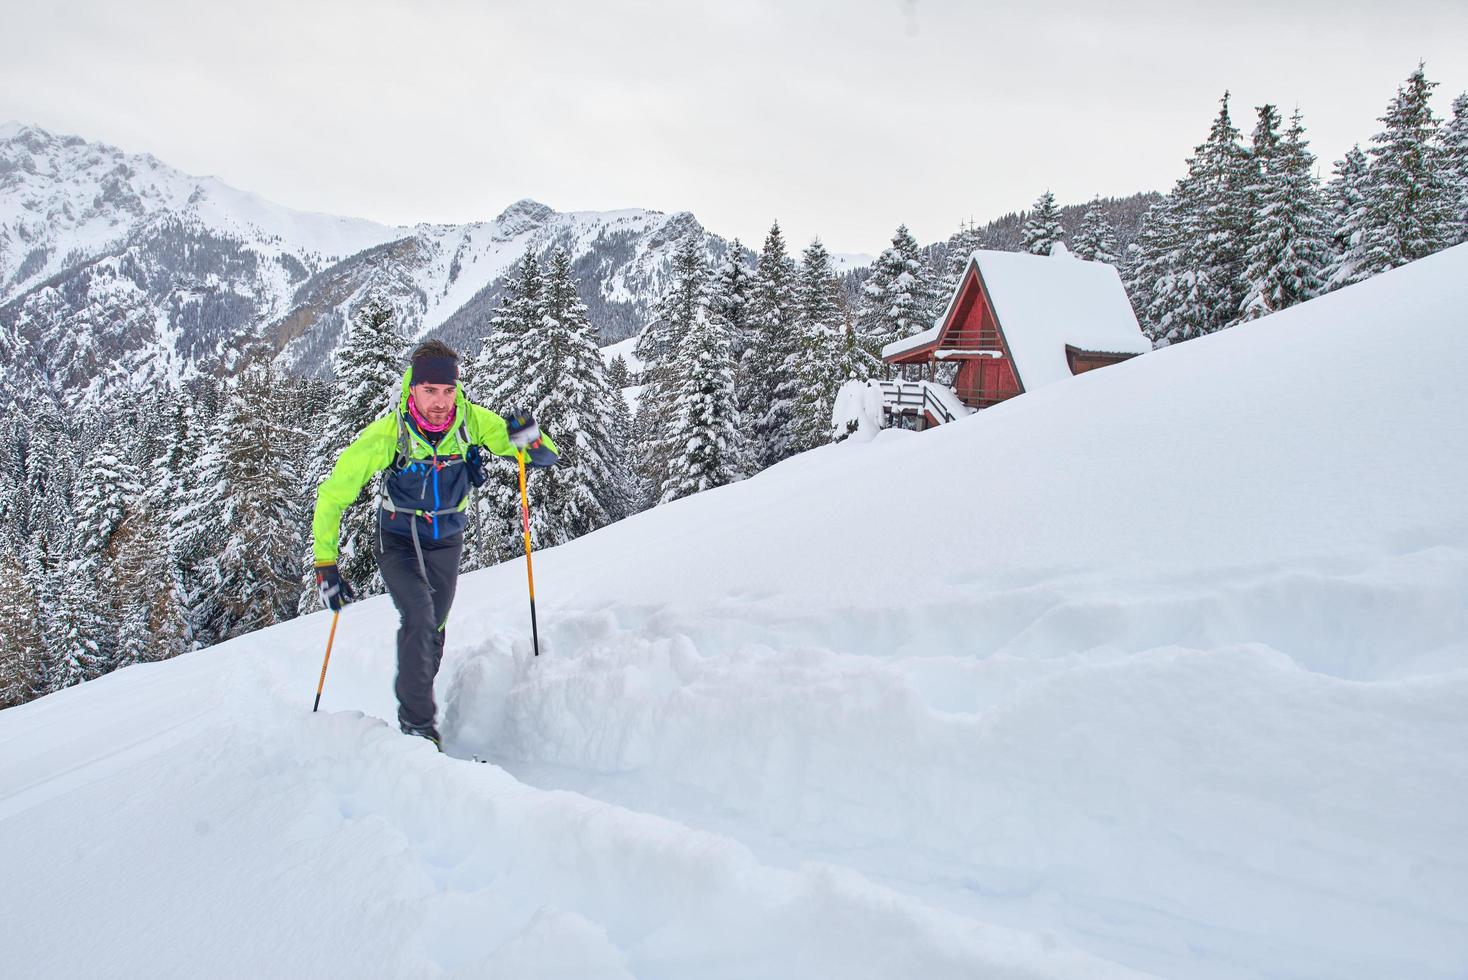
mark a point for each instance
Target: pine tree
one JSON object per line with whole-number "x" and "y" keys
{"x": 619, "y": 379}
{"x": 769, "y": 387}
{"x": 728, "y": 298}
{"x": 500, "y": 375}
{"x": 257, "y": 450}
{"x": 1286, "y": 254}
{"x": 962, "y": 245}
{"x": 108, "y": 508}
{"x": 617, "y": 374}
{"x": 820, "y": 324}
{"x": 683, "y": 303}
{"x": 21, "y": 639}
{"x": 897, "y": 301}
{"x": 48, "y": 670}
{"x": 368, "y": 369}
{"x": 730, "y": 286}
{"x": 1345, "y": 210}
{"x": 187, "y": 480}
{"x": 1188, "y": 273}
{"x": 1149, "y": 266}
{"x": 589, "y": 487}
{"x": 1407, "y": 202}
{"x": 680, "y": 304}
{"x": 542, "y": 358}
{"x": 1454, "y": 159}
{"x": 1043, "y": 229}
{"x": 148, "y": 612}
{"x": 14, "y": 497}
{"x": 1096, "y": 240}
{"x": 704, "y": 434}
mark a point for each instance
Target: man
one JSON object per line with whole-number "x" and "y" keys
{"x": 430, "y": 447}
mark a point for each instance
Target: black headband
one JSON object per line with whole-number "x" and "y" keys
{"x": 430, "y": 370}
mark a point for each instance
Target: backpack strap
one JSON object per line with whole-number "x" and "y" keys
{"x": 402, "y": 457}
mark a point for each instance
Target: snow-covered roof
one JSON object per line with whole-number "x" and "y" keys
{"x": 914, "y": 342}
{"x": 1043, "y": 303}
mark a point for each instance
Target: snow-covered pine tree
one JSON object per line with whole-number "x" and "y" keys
{"x": 151, "y": 431}
{"x": 49, "y": 477}
{"x": 21, "y": 639}
{"x": 368, "y": 370}
{"x": 1345, "y": 217}
{"x": 589, "y": 487}
{"x": 1287, "y": 253}
{"x": 730, "y": 285}
{"x": 1259, "y": 164}
{"x": 964, "y": 242}
{"x": 853, "y": 361}
{"x": 618, "y": 376}
{"x": 898, "y": 298}
{"x": 619, "y": 379}
{"x": 14, "y": 496}
{"x": 1153, "y": 261}
{"x": 683, "y": 303}
{"x": 47, "y": 671}
{"x": 1095, "y": 241}
{"x": 1407, "y": 202}
{"x": 1188, "y": 272}
{"x": 259, "y": 450}
{"x": 703, "y": 437}
{"x": 768, "y": 385}
{"x": 73, "y": 629}
{"x": 820, "y": 324}
{"x": 1454, "y": 160}
{"x": 109, "y": 499}
{"x": 193, "y": 468}
{"x": 1043, "y": 229}
{"x": 728, "y": 298}
{"x": 1223, "y": 222}
{"x": 499, "y": 375}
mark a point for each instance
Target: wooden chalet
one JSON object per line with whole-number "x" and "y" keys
{"x": 1017, "y": 322}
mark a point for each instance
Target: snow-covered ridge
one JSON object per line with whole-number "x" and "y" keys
{"x": 64, "y": 199}
{"x": 1156, "y": 670}
{"x": 116, "y": 266}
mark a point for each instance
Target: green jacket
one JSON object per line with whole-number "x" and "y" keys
{"x": 432, "y": 478}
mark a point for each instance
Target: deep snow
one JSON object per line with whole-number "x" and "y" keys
{"x": 1159, "y": 669}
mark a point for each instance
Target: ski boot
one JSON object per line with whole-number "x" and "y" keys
{"x": 427, "y": 731}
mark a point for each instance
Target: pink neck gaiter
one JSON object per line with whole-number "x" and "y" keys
{"x": 423, "y": 422}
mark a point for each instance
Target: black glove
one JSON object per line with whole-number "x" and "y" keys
{"x": 524, "y": 432}
{"x": 474, "y": 460}
{"x": 524, "y": 435}
{"x": 335, "y": 592}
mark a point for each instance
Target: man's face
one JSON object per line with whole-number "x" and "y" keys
{"x": 434, "y": 402}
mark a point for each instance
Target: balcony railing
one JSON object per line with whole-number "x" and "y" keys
{"x": 914, "y": 398}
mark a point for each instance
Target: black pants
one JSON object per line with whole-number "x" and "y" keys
{"x": 422, "y": 616}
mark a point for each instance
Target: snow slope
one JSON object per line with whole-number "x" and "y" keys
{"x": 1158, "y": 669}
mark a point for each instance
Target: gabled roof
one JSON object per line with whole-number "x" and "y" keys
{"x": 1043, "y": 303}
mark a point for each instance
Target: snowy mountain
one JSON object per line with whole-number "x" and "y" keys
{"x": 117, "y": 266}
{"x": 65, "y": 201}
{"x": 1159, "y": 670}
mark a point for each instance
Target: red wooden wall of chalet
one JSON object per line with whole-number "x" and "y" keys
{"x": 981, "y": 381}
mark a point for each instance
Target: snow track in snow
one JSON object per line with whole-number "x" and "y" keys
{"x": 1040, "y": 775}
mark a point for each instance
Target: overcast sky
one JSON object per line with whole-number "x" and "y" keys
{"x": 839, "y": 119}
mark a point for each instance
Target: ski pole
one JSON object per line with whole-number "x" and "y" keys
{"x": 322, "y": 683}
{"x": 529, "y": 573}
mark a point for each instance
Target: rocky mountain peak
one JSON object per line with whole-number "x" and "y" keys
{"x": 522, "y": 216}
